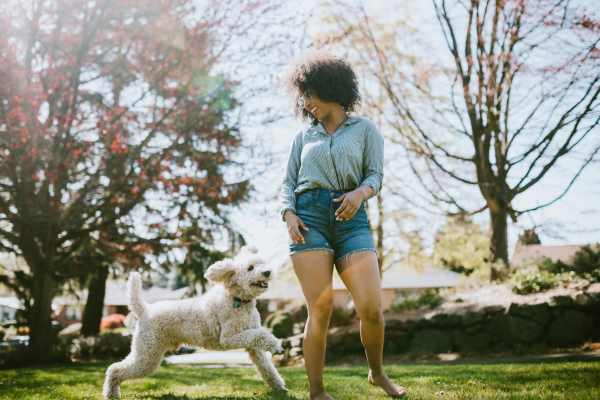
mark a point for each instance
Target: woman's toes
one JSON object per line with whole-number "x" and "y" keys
{"x": 389, "y": 387}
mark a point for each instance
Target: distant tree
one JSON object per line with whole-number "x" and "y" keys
{"x": 108, "y": 111}
{"x": 529, "y": 236}
{"x": 462, "y": 246}
{"x": 199, "y": 256}
{"x": 117, "y": 248}
{"x": 416, "y": 256}
{"x": 506, "y": 111}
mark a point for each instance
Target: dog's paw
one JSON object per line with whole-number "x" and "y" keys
{"x": 111, "y": 392}
{"x": 281, "y": 389}
{"x": 277, "y": 347}
{"x": 277, "y": 384}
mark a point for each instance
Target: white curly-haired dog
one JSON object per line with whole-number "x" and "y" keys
{"x": 225, "y": 317}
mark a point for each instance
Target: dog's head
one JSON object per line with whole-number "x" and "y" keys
{"x": 246, "y": 276}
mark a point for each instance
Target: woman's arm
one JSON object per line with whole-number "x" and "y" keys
{"x": 373, "y": 176}
{"x": 287, "y": 195}
{"x": 372, "y": 163}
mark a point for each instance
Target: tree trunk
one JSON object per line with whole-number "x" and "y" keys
{"x": 94, "y": 305}
{"x": 41, "y": 336}
{"x": 499, "y": 240}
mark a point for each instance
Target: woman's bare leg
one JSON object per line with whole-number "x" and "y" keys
{"x": 314, "y": 270}
{"x": 360, "y": 274}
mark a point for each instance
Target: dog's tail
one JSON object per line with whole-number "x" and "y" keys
{"x": 134, "y": 290}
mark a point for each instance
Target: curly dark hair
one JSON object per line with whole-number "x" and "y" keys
{"x": 329, "y": 78}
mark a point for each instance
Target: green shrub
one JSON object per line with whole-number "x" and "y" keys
{"x": 554, "y": 267}
{"x": 586, "y": 262}
{"x": 281, "y": 324}
{"x": 430, "y": 298}
{"x": 533, "y": 280}
{"x": 342, "y": 316}
{"x": 105, "y": 346}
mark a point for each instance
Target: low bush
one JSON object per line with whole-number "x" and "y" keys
{"x": 342, "y": 316}
{"x": 545, "y": 273}
{"x": 430, "y": 299}
{"x": 280, "y": 323}
{"x": 585, "y": 264}
{"x": 107, "y": 345}
{"x": 532, "y": 279}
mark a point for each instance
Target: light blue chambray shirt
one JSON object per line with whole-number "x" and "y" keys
{"x": 350, "y": 157}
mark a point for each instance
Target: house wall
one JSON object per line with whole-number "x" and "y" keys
{"x": 7, "y": 313}
{"x": 68, "y": 314}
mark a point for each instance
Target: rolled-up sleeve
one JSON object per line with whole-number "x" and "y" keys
{"x": 373, "y": 159}
{"x": 288, "y": 187}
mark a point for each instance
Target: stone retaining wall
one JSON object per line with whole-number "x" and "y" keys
{"x": 565, "y": 321}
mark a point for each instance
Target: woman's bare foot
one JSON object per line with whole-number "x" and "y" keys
{"x": 387, "y": 385}
{"x": 321, "y": 396}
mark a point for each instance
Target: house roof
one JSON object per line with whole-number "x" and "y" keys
{"x": 116, "y": 293}
{"x": 11, "y": 302}
{"x": 528, "y": 252}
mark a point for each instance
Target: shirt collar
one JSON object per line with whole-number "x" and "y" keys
{"x": 348, "y": 122}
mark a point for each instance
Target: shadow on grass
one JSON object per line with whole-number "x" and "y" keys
{"x": 504, "y": 380}
{"x": 92, "y": 374}
{"x": 66, "y": 374}
{"x": 272, "y": 395}
{"x": 502, "y": 377}
{"x": 483, "y": 381}
{"x": 240, "y": 379}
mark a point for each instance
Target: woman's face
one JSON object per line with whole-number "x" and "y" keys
{"x": 319, "y": 109}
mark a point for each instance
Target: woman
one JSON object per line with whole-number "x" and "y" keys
{"x": 333, "y": 168}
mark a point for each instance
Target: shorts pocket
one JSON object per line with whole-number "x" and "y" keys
{"x": 304, "y": 199}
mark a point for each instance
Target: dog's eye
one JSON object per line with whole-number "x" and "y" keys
{"x": 250, "y": 268}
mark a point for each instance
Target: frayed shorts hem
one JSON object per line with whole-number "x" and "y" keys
{"x": 348, "y": 254}
{"x": 312, "y": 249}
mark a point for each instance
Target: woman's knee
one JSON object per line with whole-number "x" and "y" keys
{"x": 370, "y": 313}
{"x": 321, "y": 307}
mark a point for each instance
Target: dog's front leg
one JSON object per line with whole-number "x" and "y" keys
{"x": 266, "y": 369}
{"x": 259, "y": 338}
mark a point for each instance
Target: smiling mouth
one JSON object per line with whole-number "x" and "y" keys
{"x": 261, "y": 284}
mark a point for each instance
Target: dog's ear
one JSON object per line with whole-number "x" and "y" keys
{"x": 249, "y": 249}
{"x": 220, "y": 271}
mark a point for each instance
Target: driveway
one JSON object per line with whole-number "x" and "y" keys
{"x": 231, "y": 358}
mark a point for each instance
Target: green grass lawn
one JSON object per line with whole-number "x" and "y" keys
{"x": 548, "y": 380}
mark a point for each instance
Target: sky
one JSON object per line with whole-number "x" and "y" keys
{"x": 575, "y": 219}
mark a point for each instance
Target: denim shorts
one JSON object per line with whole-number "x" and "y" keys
{"x": 316, "y": 209}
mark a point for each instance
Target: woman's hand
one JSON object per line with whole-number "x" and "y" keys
{"x": 351, "y": 202}
{"x": 294, "y": 224}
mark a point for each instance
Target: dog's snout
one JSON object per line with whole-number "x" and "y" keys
{"x": 266, "y": 273}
